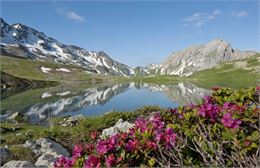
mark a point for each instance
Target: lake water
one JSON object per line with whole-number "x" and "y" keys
{"x": 39, "y": 105}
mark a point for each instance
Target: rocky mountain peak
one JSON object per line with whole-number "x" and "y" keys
{"x": 196, "y": 58}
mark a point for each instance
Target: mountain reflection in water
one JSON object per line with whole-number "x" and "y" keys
{"x": 99, "y": 100}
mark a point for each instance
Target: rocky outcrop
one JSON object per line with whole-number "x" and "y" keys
{"x": 71, "y": 121}
{"x": 197, "y": 58}
{"x": 46, "y": 160}
{"x": 46, "y": 150}
{"x": 18, "y": 164}
{"x": 48, "y": 146}
{"x": 120, "y": 126}
{"x": 4, "y": 155}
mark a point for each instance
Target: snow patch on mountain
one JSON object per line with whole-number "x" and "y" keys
{"x": 63, "y": 70}
{"x": 45, "y": 70}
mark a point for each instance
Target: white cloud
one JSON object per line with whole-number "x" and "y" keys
{"x": 71, "y": 15}
{"x": 199, "y": 19}
{"x": 74, "y": 16}
{"x": 240, "y": 14}
{"x": 216, "y": 12}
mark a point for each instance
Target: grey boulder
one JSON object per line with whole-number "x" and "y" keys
{"x": 18, "y": 164}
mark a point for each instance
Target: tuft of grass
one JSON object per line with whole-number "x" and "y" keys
{"x": 251, "y": 62}
{"x": 21, "y": 153}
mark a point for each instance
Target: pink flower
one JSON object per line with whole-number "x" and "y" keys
{"x": 170, "y": 138}
{"x": 227, "y": 105}
{"x": 141, "y": 125}
{"x": 208, "y": 99}
{"x": 89, "y": 148}
{"x": 233, "y": 107}
{"x": 150, "y": 145}
{"x": 209, "y": 110}
{"x": 111, "y": 160}
{"x": 131, "y": 145}
{"x": 157, "y": 121}
{"x": 92, "y": 161}
{"x": 109, "y": 145}
{"x": 102, "y": 146}
{"x": 229, "y": 122}
{"x": 94, "y": 135}
{"x": 78, "y": 151}
{"x": 159, "y": 137}
{"x": 63, "y": 162}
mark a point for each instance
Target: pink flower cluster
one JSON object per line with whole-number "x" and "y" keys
{"x": 229, "y": 122}
{"x": 63, "y": 162}
{"x": 209, "y": 110}
{"x": 146, "y": 136}
{"x": 215, "y": 112}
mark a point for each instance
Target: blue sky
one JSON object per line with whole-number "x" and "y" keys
{"x": 139, "y": 33}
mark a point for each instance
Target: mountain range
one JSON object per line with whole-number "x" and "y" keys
{"x": 22, "y": 41}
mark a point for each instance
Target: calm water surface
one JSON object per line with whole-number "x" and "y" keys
{"x": 39, "y": 105}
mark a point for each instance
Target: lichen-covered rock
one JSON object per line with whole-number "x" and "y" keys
{"x": 18, "y": 164}
{"x": 48, "y": 146}
{"x": 4, "y": 155}
{"x": 71, "y": 121}
{"x": 33, "y": 146}
{"x": 46, "y": 160}
{"x": 120, "y": 126}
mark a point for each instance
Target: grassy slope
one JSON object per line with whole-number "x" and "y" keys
{"x": 230, "y": 75}
{"x": 160, "y": 79}
{"x": 225, "y": 75}
{"x": 31, "y": 70}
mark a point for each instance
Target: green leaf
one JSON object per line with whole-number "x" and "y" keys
{"x": 254, "y": 145}
{"x": 151, "y": 162}
{"x": 215, "y": 128}
{"x": 254, "y": 137}
{"x": 228, "y": 135}
{"x": 245, "y": 119}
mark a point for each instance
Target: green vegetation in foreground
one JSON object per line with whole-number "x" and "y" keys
{"x": 191, "y": 126}
{"x": 230, "y": 74}
{"x": 70, "y": 135}
{"x": 220, "y": 130}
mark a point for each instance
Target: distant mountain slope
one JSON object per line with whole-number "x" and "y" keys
{"x": 235, "y": 74}
{"x": 21, "y": 41}
{"x": 197, "y": 58}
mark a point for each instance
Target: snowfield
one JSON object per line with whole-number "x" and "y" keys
{"x": 64, "y": 93}
{"x": 63, "y": 70}
{"x": 45, "y": 70}
{"x": 46, "y": 94}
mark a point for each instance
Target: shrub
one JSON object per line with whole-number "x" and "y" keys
{"x": 221, "y": 130}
